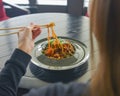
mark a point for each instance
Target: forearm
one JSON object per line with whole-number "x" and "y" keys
{"x": 11, "y": 74}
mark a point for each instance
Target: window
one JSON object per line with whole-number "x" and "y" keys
{"x": 65, "y": 6}
{"x": 86, "y": 3}
{"x": 45, "y": 2}
{"x": 52, "y": 2}
{"x": 17, "y": 1}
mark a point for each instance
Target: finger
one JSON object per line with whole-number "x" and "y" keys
{"x": 32, "y": 25}
{"x": 29, "y": 32}
{"x": 35, "y": 32}
{"x": 20, "y": 31}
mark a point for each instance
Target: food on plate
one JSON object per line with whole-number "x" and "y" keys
{"x": 57, "y": 48}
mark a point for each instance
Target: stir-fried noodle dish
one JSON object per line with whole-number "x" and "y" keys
{"x": 57, "y": 48}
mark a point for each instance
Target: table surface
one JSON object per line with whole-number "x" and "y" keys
{"x": 66, "y": 25}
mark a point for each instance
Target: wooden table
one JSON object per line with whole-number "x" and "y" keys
{"x": 66, "y": 25}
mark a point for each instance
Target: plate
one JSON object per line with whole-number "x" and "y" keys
{"x": 80, "y": 56}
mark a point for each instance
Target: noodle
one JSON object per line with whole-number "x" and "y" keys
{"x": 56, "y": 48}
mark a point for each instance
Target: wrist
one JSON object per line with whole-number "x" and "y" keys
{"x": 26, "y": 48}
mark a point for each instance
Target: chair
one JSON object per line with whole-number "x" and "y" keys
{"x": 15, "y": 10}
{"x": 11, "y": 11}
{"x": 3, "y": 15}
{"x": 75, "y": 7}
{"x": 85, "y": 12}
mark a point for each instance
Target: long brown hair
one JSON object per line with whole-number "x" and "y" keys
{"x": 105, "y": 26}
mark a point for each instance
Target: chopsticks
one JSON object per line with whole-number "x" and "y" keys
{"x": 10, "y": 28}
{"x": 41, "y": 26}
{"x": 5, "y": 34}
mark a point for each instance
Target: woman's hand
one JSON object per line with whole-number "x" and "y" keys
{"x": 26, "y": 37}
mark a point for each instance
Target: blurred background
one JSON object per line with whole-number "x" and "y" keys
{"x": 21, "y": 7}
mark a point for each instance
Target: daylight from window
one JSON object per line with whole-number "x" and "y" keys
{"x": 45, "y": 2}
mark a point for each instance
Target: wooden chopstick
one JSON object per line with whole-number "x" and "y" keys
{"x": 41, "y": 26}
{"x": 10, "y": 33}
{"x": 10, "y": 28}
{"x": 5, "y": 34}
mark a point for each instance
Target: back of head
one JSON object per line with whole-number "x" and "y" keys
{"x": 105, "y": 25}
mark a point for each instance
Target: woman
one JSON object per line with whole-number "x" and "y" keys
{"x": 105, "y": 20}
{"x": 104, "y": 25}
